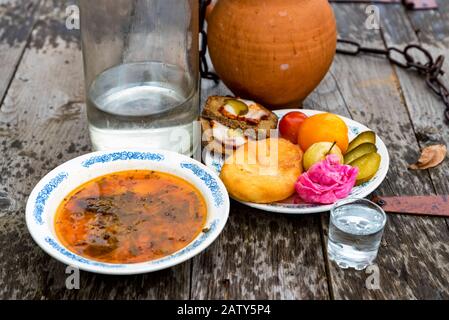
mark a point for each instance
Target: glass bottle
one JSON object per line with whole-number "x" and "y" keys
{"x": 141, "y": 65}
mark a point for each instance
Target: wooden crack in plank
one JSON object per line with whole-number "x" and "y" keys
{"x": 17, "y": 29}
{"x": 50, "y": 127}
{"x": 409, "y": 243}
{"x": 431, "y": 30}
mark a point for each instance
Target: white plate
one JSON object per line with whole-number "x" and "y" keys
{"x": 51, "y": 190}
{"x": 355, "y": 128}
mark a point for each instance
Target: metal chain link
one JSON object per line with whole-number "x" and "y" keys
{"x": 430, "y": 68}
{"x": 204, "y": 66}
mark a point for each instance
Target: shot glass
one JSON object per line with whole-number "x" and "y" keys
{"x": 355, "y": 232}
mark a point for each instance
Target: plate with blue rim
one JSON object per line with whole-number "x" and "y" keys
{"x": 294, "y": 205}
{"x": 56, "y": 185}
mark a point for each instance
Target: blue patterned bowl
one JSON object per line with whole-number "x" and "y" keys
{"x": 51, "y": 190}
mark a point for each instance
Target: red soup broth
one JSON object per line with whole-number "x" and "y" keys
{"x": 131, "y": 217}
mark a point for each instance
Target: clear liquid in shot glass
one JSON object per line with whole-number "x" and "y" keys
{"x": 355, "y": 233}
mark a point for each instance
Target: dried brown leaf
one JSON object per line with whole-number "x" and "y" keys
{"x": 431, "y": 157}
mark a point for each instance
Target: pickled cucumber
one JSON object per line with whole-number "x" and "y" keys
{"x": 360, "y": 151}
{"x": 368, "y": 166}
{"x": 364, "y": 137}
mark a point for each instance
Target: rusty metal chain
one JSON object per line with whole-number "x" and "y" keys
{"x": 204, "y": 66}
{"x": 429, "y": 67}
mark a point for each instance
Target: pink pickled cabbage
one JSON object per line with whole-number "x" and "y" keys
{"x": 327, "y": 181}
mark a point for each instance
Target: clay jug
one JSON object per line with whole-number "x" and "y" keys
{"x": 275, "y": 52}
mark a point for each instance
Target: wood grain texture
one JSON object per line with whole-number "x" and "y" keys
{"x": 17, "y": 18}
{"x": 425, "y": 108}
{"x": 413, "y": 258}
{"x": 261, "y": 255}
{"x": 45, "y": 118}
{"x": 431, "y": 30}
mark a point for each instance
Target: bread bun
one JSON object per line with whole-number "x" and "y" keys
{"x": 263, "y": 171}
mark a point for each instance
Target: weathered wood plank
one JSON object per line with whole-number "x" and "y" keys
{"x": 426, "y": 109}
{"x": 261, "y": 255}
{"x": 45, "y": 118}
{"x": 413, "y": 248}
{"x": 17, "y": 18}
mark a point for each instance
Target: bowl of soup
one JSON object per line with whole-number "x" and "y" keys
{"x": 127, "y": 212}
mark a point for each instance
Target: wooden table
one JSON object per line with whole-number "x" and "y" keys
{"x": 259, "y": 255}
